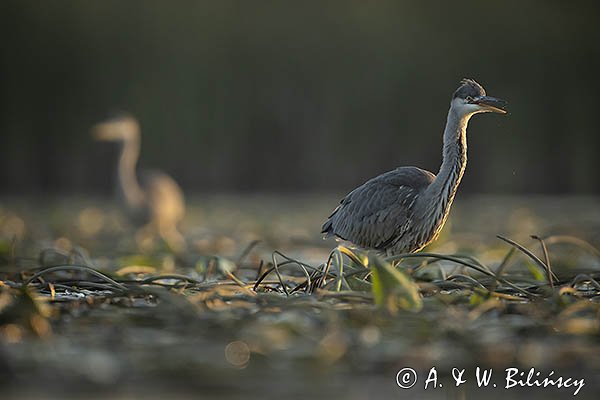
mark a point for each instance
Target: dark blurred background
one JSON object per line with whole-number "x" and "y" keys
{"x": 278, "y": 96}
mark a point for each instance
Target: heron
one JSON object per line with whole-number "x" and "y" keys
{"x": 403, "y": 210}
{"x": 158, "y": 202}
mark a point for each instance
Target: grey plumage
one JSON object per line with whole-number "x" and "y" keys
{"x": 403, "y": 210}
{"x": 468, "y": 88}
{"x": 365, "y": 213}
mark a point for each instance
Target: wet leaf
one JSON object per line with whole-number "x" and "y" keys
{"x": 537, "y": 273}
{"x": 393, "y": 289}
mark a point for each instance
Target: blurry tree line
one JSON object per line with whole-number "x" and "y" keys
{"x": 282, "y": 96}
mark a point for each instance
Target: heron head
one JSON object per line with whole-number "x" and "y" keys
{"x": 470, "y": 98}
{"x": 120, "y": 128}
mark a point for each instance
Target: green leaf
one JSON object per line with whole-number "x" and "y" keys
{"x": 393, "y": 289}
{"x": 137, "y": 259}
{"x": 476, "y": 299}
{"x": 538, "y": 273}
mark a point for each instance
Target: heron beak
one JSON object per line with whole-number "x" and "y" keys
{"x": 98, "y": 133}
{"x": 492, "y": 104}
{"x": 102, "y": 132}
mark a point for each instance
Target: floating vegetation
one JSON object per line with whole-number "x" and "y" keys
{"x": 130, "y": 316}
{"x": 348, "y": 278}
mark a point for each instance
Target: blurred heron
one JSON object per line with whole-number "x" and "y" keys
{"x": 403, "y": 210}
{"x": 158, "y": 201}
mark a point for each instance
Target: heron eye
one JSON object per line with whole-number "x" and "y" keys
{"x": 469, "y": 99}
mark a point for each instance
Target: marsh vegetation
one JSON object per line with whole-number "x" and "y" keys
{"x": 260, "y": 305}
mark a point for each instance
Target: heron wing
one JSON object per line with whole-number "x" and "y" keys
{"x": 165, "y": 198}
{"x": 378, "y": 212}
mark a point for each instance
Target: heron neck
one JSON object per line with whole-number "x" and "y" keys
{"x": 454, "y": 159}
{"x": 127, "y": 175}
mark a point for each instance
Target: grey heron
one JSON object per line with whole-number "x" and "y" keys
{"x": 158, "y": 201}
{"x": 403, "y": 210}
